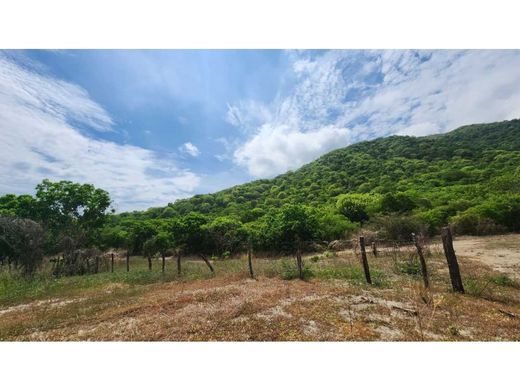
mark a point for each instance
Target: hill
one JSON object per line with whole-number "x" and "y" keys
{"x": 442, "y": 175}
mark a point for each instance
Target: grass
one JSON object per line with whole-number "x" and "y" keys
{"x": 408, "y": 267}
{"x": 334, "y": 302}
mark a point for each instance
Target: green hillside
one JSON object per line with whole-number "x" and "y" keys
{"x": 469, "y": 178}
{"x": 443, "y": 175}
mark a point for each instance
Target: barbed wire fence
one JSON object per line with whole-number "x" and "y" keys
{"x": 411, "y": 251}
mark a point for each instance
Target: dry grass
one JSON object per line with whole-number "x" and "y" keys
{"x": 335, "y": 304}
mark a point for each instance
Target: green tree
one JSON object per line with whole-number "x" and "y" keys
{"x": 225, "y": 234}
{"x": 291, "y": 226}
{"x": 21, "y": 242}
{"x": 397, "y": 203}
{"x": 69, "y": 208}
{"x": 354, "y": 206}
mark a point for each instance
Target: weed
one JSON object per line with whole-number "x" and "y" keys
{"x": 476, "y": 286}
{"x": 454, "y": 331}
{"x": 412, "y": 267}
{"x": 290, "y": 271}
{"x": 314, "y": 259}
{"x": 504, "y": 280}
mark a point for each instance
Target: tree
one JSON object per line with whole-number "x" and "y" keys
{"x": 21, "y": 206}
{"x": 291, "y": 226}
{"x": 163, "y": 243}
{"x": 224, "y": 234}
{"x": 68, "y": 208}
{"x": 21, "y": 242}
{"x": 194, "y": 237}
{"x": 149, "y": 250}
{"x": 354, "y": 206}
{"x": 397, "y": 203}
{"x": 333, "y": 226}
{"x": 139, "y": 233}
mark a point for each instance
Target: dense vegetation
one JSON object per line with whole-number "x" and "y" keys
{"x": 469, "y": 177}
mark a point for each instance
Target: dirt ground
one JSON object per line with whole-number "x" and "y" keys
{"x": 235, "y": 308}
{"x": 502, "y": 253}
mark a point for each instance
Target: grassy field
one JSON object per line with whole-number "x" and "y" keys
{"x": 334, "y": 303}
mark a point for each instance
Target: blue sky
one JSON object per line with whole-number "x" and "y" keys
{"x": 153, "y": 126}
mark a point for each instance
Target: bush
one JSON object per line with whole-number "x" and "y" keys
{"x": 474, "y": 224}
{"x": 412, "y": 267}
{"x": 333, "y": 226}
{"x": 355, "y": 206}
{"x": 400, "y": 227}
{"x": 504, "y": 280}
{"x": 493, "y": 216}
{"x": 290, "y": 271}
{"x": 21, "y": 242}
{"x": 397, "y": 203}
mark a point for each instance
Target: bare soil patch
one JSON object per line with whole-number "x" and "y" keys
{"x": 502, "y": 253}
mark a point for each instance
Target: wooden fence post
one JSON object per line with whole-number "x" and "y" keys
{"x": 374, "y": 248}
{"x": 453, "y": 265}
{"x": 112, "y": 262}
{"x": 163, "y": 263}
{"x": 149, "y": 263}
{"x": 203, "y": 257}
{"x": 299, "y": 261}
{"x": 127, "y": 261}
{"x": 424, "y": 270}
{"x": 364, "y": 259}
{"x": 179, "y": 262}
{"x": 249, "y": 259}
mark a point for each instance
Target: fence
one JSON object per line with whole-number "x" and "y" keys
{"x": 416, "y": 248}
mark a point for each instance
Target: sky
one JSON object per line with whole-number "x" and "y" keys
{"x": 153, "y": 126}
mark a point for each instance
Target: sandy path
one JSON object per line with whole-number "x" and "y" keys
{"x": 500, "y": 252}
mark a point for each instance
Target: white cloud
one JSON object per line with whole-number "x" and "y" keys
{"x": 373, "y": 94}
{"x": 190, "y": 149}
{"x": 247, "y": 115}
{"x": 56, "y": 98}
{"x": 276, "y": 149}
{"x": 38, "y": 141}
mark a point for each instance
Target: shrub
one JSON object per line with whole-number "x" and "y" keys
{"x": 397, "y": 203}
{"x": 355, "y": 206}
{"x": 400, "y": 227}
{"x": 504, "y": 280}
{"x": 495, "y": 215}
{"x": 412, "y": 267}
{"x": 290, "y": 271}
{"x": 315, "y": 259}
{"x": 474, "y": 224}
{"x": 21, "y": 242}
{"x": 332, "y": 226}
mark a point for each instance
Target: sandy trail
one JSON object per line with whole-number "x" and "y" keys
{"x": 502, "y": 253}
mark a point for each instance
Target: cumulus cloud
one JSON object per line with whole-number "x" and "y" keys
{"x": 190, "y": 149}
{"x": 39, "y": 140}
{"x": 280, "y": 148}
{"x": 368, "y": 94}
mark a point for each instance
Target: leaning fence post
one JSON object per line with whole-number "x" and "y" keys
{"x": 424, "y": 270}
{"x": 127, "y": 261}
{"x": 453, "y": 265}
{"x": 364, "y": 259}
{"x": 249, "y": 259}
{"x": 112, "y": 262}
